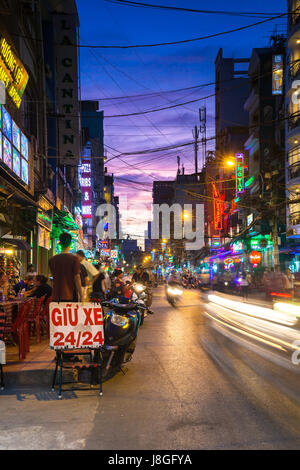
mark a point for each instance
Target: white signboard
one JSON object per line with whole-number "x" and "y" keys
{"x": 76, "y": 325}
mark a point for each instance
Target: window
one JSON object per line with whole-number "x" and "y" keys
{"x": 13, "y": 146}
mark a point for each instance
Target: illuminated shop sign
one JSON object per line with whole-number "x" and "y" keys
{"x": 86, "y": 189}
{"x": 12, "y": 73}
{"x": 255, "y": 257}
{"x": 237, "y": 247}
{"x": 260, "y": 242}
{"x": 249, "y": 219}
{"x": 277, "y": 75}
{"x": 105, "y": 252}
{"x": 13, "y": 146}
{"x": 240, "y": 181}
{"x": 218, "y": 208}
{"x": 114, "y": 254}
{"x": 45, "y": 214}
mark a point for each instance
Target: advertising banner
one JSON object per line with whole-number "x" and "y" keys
{"x": 75, "y": 325}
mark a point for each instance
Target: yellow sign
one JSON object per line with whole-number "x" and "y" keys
{"x": 12, "y": 73}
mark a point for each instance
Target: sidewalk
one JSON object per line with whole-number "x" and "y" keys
{"x": 37, "y": 368}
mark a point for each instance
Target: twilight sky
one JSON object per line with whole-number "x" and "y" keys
{"x": 150, "y": 72}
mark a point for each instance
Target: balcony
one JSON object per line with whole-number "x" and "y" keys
{"x": 294, "y": 171}
{"x": 293, "y": 122}
{"x": 294, "y": 19}
{"x": 294, "y": 218}
{"x": 294, "y": 70}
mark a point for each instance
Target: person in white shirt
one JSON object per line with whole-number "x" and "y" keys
{"x": 92, "y": 271}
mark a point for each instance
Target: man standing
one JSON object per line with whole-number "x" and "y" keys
{"x": 92, "y": 272}
{"x": 65, "y": 269}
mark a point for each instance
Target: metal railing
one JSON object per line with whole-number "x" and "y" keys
{"x": 293, "y": 122}
{"x": 294, "y": 218}
{"x": 294, "y": 18}
{"x": 294, "y": 170}
{"x": 294, "y": 69}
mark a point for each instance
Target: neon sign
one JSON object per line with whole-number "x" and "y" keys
{"x": 218, "y": 208}
{"x": 255, "y": 257}
{"x": 239, "y": 176}
{"x": 239, "y": 173}
{"x": 12, "y": 73}
{"x": 86, "y": 189}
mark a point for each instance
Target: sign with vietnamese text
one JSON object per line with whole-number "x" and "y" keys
{"x": 76, "y": 325}
{"x": 12, "y": 73}
{"x": 239, "y": 177}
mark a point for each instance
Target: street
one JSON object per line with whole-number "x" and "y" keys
{"x": 187, "y": 387}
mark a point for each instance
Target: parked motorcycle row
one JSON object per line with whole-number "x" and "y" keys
{"x": 122, "y": 319}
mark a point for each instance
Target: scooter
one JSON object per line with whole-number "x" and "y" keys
{"x": 140, "y": 296}
{"x": 174, "y": 293}
{"x": 122, "y": 320}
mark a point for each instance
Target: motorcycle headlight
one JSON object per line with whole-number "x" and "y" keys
{"x": 118, "y": 320}
{"x": 174, "y": 291}
{"x": 139, "y": 288}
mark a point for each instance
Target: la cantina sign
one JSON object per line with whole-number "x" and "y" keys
{"x": 255, "y": 257}
{"x": 75, "y": 325}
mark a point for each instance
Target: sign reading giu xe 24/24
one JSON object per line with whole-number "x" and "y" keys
{"x": 75, "y": 325}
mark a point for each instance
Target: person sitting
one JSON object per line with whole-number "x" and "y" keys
{"x": 40, "y": 288}
{"x": 24, "y": 285}
{"x": 120, "y": 287}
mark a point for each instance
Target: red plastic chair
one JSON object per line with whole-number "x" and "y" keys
{"x": 2, "y": 321}
{"x": 20, "y": 328}
{"x": 34, "y": 317}
{"x": 45, "y": 315}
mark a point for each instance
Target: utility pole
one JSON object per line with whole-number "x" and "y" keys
{"x": 196, "y": 137}
{"x": 202, "y": 118}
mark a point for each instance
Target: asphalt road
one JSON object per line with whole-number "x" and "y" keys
{"x": 187, "y": 387}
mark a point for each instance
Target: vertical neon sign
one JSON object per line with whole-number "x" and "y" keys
{"x": 218, "y": 208}
{"x": 86, "y": 189}
{"x": 239, "y": 173}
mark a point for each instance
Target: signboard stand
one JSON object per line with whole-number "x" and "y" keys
{"x": 60, "y": 362}
{"x": 76, "y": 329}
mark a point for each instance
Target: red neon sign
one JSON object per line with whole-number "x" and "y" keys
{"x": 218, "y": 208}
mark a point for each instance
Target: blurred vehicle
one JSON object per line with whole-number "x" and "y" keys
{"x": 174, "y": 293}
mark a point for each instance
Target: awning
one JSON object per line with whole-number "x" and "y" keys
{"x": 15, "y": 242}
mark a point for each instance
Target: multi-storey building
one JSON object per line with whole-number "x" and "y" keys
{"x": 293, "y": 132}
{"x": 231, "y": 129}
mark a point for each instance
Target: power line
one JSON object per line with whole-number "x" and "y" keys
{"x": 191, "y": 10}
{"x": 170, "y": 43}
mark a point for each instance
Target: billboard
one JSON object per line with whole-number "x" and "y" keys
{"x": 277, "y": 74}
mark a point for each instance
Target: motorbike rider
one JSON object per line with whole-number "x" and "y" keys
{"x": 173, "y": 277}
{"x": 141, "y": 276}
{"x": 120, "y": 287}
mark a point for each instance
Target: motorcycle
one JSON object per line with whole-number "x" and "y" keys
{"x": 140, "y": 296}
{"x": 174, "y": 293}
{"x": 121, "y": 324}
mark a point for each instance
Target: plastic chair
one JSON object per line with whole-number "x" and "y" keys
{"x": 20, "y": 328}
{"x": 2, "y": 321}
{"x": 34, "y": 316}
